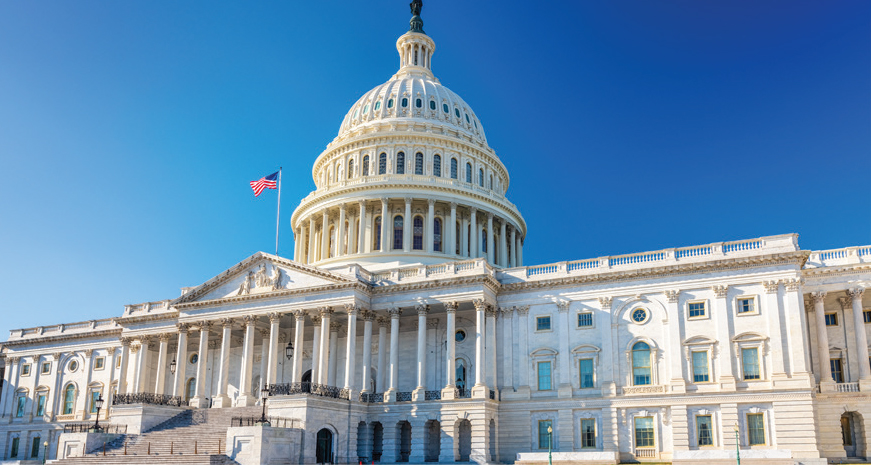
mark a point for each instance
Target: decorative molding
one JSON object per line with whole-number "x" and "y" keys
{"x": 605, "y": 302}
{"x": 720, "y": 290}
{"x": 672, "y": 295}
{"x": 562, "y": 306}
{"x": 227, "y": 322}
{"x": 383, "y": 321}
{"x": 335, "y": 326}
{"x": 325, "y": 312}
{"x": 522, "y": 310}
{"x": 351, "y": 309}
{"x": 792, "y": 284}
{"x": 394, "y": 312}
{"x": 422, "y": 310}
{"x": 249, "y": 320}
{"x": 771, "y": 287}
{"x": 856, "y": 293}
{"x": 316, "y": 320}
{"x": 452, "y": 306}
{"x": 274, "y": 317}
{"x": 818, "y": 297}
{"x": 367, "y": 315}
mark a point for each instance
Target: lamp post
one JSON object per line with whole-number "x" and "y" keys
{"x": 44, "y": 451}
{"x": 737, "y": 444}
{"x": 172, "y": 366}
{"x": 550, "y": 445}
{"x": 264, "y": 394}
{"x": 288, "y": 351}
{"x": 99, "y": 404}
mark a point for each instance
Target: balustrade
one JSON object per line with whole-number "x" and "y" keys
{"x": 148, "y": 398}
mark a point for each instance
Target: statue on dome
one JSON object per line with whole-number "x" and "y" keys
{"x": 416, "y": 6}
{"x": 416, "y": 22}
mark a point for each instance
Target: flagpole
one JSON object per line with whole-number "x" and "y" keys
{"x": 278, "y": 213}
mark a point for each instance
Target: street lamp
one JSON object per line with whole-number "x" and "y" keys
{"x": 737, "y": 444}
{"x": 264, "y": 394}
{"x": 288, "y": 351}
{"x": 98, "y": 402}
{"x": 550, "y": 445}
{"x": 172, "y": 366}
{"x": 44, "y": 452}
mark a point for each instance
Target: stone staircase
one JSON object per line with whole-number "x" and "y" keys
{"x": 194, "y": 436}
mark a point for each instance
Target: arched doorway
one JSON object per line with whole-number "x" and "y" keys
{"x": 307, "y": 377}
{"x": 852, "y": 434}
{"x": 377, "y": 441}
{"x": 324, "y": 450}
{"x": 364, "y": 443}
{"x": 432, "y": 430}
{"x": 464, "y": 432}
{"x": 190, "y": 389}
{"x": 404, "y": 430}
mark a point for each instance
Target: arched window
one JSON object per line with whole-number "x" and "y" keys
{"x": 445, "y": 108}
{"x": 418, "y": 233}
{"x": 437, "y": 235}
{"x": 418, "y": 103}
{"x": 378, "y": 105}
{"x": 350, "y": 168}
{"x": 418, "y": 163}
{"x": 461, "y": 374}
{"x": 454, "y": 168}
{"x": 338, "y": 172}
{"x": 390, "y": 103}
{"x": 69, "y": 399}
{"x": 484, "y": 240}
{"x": 437, "y": 165}
{"x": 481, "y": 177}
{"x": 365, "y": 166}
{"x": 377, "y": 233}
{"x": 190, "y": 390}
{"x": 640, "y": 364}
{"x": 469, "y": 173}
{"x": 382, "y": 163}
{"x": 397, "y": 232}
{"x": 400, "y": 163}
{"x": 432, "y": 105}
{"x": 332, "y": 244}
{"x": 404, "y": 102}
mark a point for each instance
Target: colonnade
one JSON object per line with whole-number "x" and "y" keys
{"x": 363, "y": 227}
{"x": 853, "y": 301}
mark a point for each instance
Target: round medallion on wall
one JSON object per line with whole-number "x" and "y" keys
{"x": 73, "y": 366}
{"x": 640, "y": 315}
{"x": 194, "y": 358}
{"x": 460, "y": 336}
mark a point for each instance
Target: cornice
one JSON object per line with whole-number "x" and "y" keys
{"x": 130, "y": 320}
{"x": 489, "y": 281}
{"x": 64, "y": 338}
{"x": 843, "y": 270}
{"x": 358, "y": 286}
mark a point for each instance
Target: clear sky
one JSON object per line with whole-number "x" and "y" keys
{"x": 129, "y": 130}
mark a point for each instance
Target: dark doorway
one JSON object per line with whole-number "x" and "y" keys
{"x": 324, "y": 451}
{"x": 404, "y": 428}
{"x": 377, "y": 441}
{"x": 307, "y": 377}
{"x": 464, "y": 431}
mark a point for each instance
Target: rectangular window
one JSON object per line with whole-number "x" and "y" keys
{"x": 93, "y": 404}
{"x": 34, "y": 448}
{"x": 117, "y": 362}
{"x": 696, "y": 309}
{"x": 586, "y": 369}
{"x": 756, "y": 429}
{"x": 544, "y": 376}
{"x": 867, "y": 315}
{"x": 750, "y": 363}
{"x": 13, "y": 451}
{"x": 746, "y": 305}
{"x": 831, "y": 319}
{"x": 704, "y": 431}
{"x": 585, "y": 320}
{"x": 46, "y": 368}
{"x": 99, "y": 363}
{"x": 644, "y": 432}
{"x": 40, "y": 405}
{"x": 700, "y": 367}
{"x": 588, "y": 433}
{"x": 837, "y": 370}
{"x": 25, "y": 369}
{"x": 543, "y": 434}
{"x": 542, "y": 323}
{"x": 19, "y": 410}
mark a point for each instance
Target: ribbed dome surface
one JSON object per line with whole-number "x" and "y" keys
{"x": 420, "y": 95}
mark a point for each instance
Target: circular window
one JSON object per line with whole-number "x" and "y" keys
{"x": 640, "y": 315}
{"x": 194, "y": 358}
{"x": 73, "y": 366}
{"x": 460, "y": 336}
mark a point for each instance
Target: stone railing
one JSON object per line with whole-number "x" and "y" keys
{"x": 403, "y": 397}
{"x": 275, "y": 422}
{"x": 847, "y": 387}
{"x": 654, "y": 389}
{"x": 147, "y": 398}
{"x": 838, "y": 257}
{"x": 89, "y": 428}
{"x": 645, "y": 453}
{"x": 286, "y": 389}
{"x": 64, "y": 329}
{"x": 393, "y": 276}
{"x": 146, "y": 307}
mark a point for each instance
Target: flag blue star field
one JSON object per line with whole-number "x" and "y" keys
{"x": 266, "y": 182}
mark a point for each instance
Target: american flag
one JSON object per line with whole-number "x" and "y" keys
{"x": 266, "y": 182}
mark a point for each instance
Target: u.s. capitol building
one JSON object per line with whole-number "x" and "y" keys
{"x": 407, "y": 328}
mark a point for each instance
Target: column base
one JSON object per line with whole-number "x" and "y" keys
{"x": 199, "y": 402}
{"x": 480, "y": 391}
{"x": 449, "y": 393}
{"x": 352, "y": 394}
{"x": 221, "y": 401}
{"x": 418, "y": 394}
{"x": 246, "y": 400}
{"x": 564, "y": 391}
{"x": 390, "y": 396}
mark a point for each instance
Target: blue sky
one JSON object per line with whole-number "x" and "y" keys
{"x": 129, "y": 130}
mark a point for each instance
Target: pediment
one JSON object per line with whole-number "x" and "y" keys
{"x": 261, "y": 273}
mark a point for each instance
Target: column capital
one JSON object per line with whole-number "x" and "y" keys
{"x": 274, "y": 317}
{"x": 856, "y": 292}
{"x": 144, "y": 340}
{"x": 562, "y": 306}
{"x": 818, "y": 296}
{"x": 58, "y": 355}
{"x": 88, "y": 352}
{"x": 335, "y": 326}
{"x": 316, "y": 320}
{"x": 408, "y": 200}
{"x": 325, "y": 312}
{"x": 182, "y": 327}
{"x": 489, "y": 216}
{"x": 720, "y": 290}
{"x": 395, "y": 312}
{"x": 109, "y": 350}
{"x": 164, "y": 337}
{"x": 227, "y": 322}
{"x": 453, "y": 205}
{"x": 352, "y": 309}
{"x": 772, "y": 286}
{"x": 507, "y": 312}
{"x": 491, "y": 311}
{"x": 341, "y": 207}
{"x": 480, "y": 304}
{"x": 13, "y": 360}
{"x": 430, "y": 202}
{"x": 422, "y": 310}
{"x": 249, "y": 320}
{"x": 671, "y": 295}
{"x": 451, "y": 307}
{"x": 432, "y": 323}
{"x": 205, "y": 325}
{"x": 472, "y": 211}
{"x": 383, "y": 321}
{"x": 264, "y": 333}
{"x": 299, "y": 315}
{"x": 845, "y": 301}
{"x": 367, "y": 315}
{"x": 522, "y": 310}
{"x": 792, "y": 284}
{"x": 605, "y": 302}
{"x": 125, "y": 341}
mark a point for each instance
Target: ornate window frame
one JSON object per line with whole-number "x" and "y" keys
{"x": 750, "y": 340}
{"x": 586, "y": 351}
{"x": 657, "y": 435}
{"x": 99, "y": 363}
{"x": 655, "y": 351}
{"x": 700, "y": 344}
{"x": 744, "y": 413}
{"x": 596, "y": 416}
{"x": 21, "y": 395}
{"x": 536, "y": 417}
{"x": 693, "y": 430}
{"x": 544, "y": 354}
{"x": 706, "y": 309}
{"x": 40, "y": 391}
{"x": 578, "y": 319}
{"x": 26, "y": 369}
{"x": 43, "y": 369}
{"x": 753, "y": 298}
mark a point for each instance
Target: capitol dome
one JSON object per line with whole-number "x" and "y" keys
{"x": 409, "y": 179}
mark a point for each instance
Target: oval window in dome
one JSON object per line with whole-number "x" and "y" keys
{"x": 419, "y": 103}
{"x": 432, "y": 105}
{"x": 390, "y": 103}
{"x": 356, "y": 112}
{"x": 404, "y": 102}
{"x": 467, "y": 118}
{"x": 476, "y": 123}
{"x": 366, "y": 109}
{"x": 378, "y": 105}
{"x": 445, "y": 108}
{"x": 457, "y": 112}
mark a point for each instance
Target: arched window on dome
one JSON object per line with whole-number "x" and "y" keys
{"x": 365, "y": 171}
{"x": 418, "y": 163}
{"x": 445, "y": 108}
{"x": 390, "y": 103}
{"x": 415, "y": 56}
{"x": 338, "y": 172}
{"x": 481, "y": 177}
{"x": 418, "y": 233}
{"x": 457, "y": 112}
{"x": 454, "y": 168}
{"x": 418, "y": 103}
{"x": 350, "y": 168}
{"x": 404, "y": 102}
{"x": 437, "y": 235}
{"x": 400, "y": 163}
{"x": 382, "y": 163}
{"x": 376, "y": 243}
{"x": 432, "y": 105}
{"x": 378, "y": 105}
{"x": 469, "y": 173}
{"x": 640, "y": 364}
{"x": 437, "y": 165}
{"x": 397, "y": 232}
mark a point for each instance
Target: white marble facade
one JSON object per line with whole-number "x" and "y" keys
{"x": 423, "y": 337}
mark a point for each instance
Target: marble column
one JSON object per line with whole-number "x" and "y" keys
{"x": 429, "y": 237}
{"x": 332, "y": 367}
{"x": 14, "y": 364}
{"x": 272, "y": 364}
{"x": 222, "y": 400}
{"x": 325, "y": 235}
{"x": 264, "y": 358}
{"x": 451, "y": 353}
{"x": 324, "y": 358}
{"x": 491, "y": 247}
{"x": 508, "y": 346}
{"x": 720, "y": 314}
{"x": 361, "y": 234}
{"x": 160, "y": 382}
{"x": 142, "y": 365}
{"x": 480, "y": 388}
{"x": 775, "y": 325}
{"x": 451, "y": 230}
{"x": 381, "y": 379}
{"x": 7, "y": 383}
{"x": 855, "y": 295}
{"x": 390, "y": 394}
{"x": 311, "y": 256}
{"x": 464, "y": 238}
{"x": 407, "y": 226}
{"x": 351, "y": 347}
{"x": 822, "y": 338}
{"x": 122, "y": 372}
{"x": 677, "y": 382}
{"x": 503, "y": 246}
{"x": 419, "y": 391}
{"x": 89, "y": 370}
{"x": 490, "y": 346}
{"x": 564, "y": 388}
{"x": 316, "y": 348}
{"x": 385, "y": 223}
{"x": 199, "y": 400}
{"x": 513, "y": 258}
{"x": 523, "y": 330}
{"x": 180, "y": 364}
{"x": 519, "y": 251}
{"x": 473, "y": 234}
{"x": 340, "y": 247}
{"x": 246, "y": 399}
{"x": 296, "y": 243}
{"x": 298, "y": 335}
{"x": 367, "y": 316}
